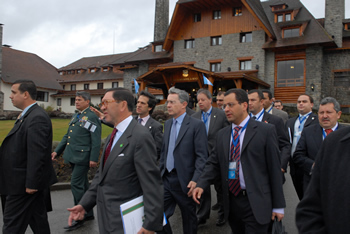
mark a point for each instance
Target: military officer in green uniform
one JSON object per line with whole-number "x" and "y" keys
{"x": 81, "y": 146}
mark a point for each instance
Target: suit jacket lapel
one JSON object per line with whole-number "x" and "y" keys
{"x": 183, "y": 129}
{"x": 249, "y": 133}
{"x": 119, "y": 147}
{"x": 19, "y": 123}
{"x": 226, "y": 147}
{"x": 212, "y": 120}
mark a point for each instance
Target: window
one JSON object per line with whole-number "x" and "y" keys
{"x": 279, "y": 18}
{"x": 290, "y": 73}
{"x": 73, "y": 87}
{"x": 42, "y": 96}
{"x": 86, "y": 86}
{"x": 215, "y": 67}
{"x": 61, "y": 73}
{"x": 158, "y": 48}
{"x": 115, "y": 84}
{"x": 72, "y": 101}
{"x": 246, "y": 37}
{"x": 237, "y": 11}
{"x": 291, "y": 32}
{"x": 99, "y": 85}
{"x": 59, "y": 102}
{"x": 197, "y": 17}
{"x": 245, "y": 65}
{"x": 216, "y": 41}
{"x": 189, "y": 44}
{"x": 217, "y": 14}
{"x": 342, "y": 79}
{"x": 347, "y": 26}
{"x": 105, "y": 69}
{"x": 78, "y": 71}
{"x": 64, "y": 87}
{"x": 288, "y": 17}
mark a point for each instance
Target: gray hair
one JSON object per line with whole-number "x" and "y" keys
{"x": 85, "y": 95}
{"x": 327, "y": 100}
{"x": 183, "y": 95}
{"x": 205, "y": 92}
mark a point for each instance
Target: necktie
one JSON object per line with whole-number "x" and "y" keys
{"x": 140, "y": 120}
{"x": 170, "y": 157}
{"x": 254, "y": 117}
{"x": 235, "y": 155}
{"x": 328, "y": 131}
{"x": 18, "y": 118}
{"x": 206, "y": 115}
{"x": 109, "y": 146}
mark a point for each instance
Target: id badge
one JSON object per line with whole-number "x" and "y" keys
{"x": 232, "y": 170}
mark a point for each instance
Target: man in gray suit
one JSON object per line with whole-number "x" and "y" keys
{"x": 268, "y": 106}
{"x": 182, "y": 159}
{"x": 214, "y": 120}
{"x": 246, "y": 156}
{"x": 144, "y": 108}
{"x": 127, "y": 170}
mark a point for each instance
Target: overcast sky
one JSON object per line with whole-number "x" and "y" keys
{"x": 63, "y": 31}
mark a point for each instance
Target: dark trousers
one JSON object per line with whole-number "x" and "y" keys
{"x": 173, "y": 195}
{"x": 23, "y": 210}
{"x": 297, "y": 175}
{"x": 80, "y": 184}
{"x": 203, "y": 209}
{"x": 219, "y": 197}
{"x": 241, "y": 217}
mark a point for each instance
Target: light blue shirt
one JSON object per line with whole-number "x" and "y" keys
{"x": 121, "y": 127}
{"x": 179, "y": 122}
{"x": 26, "y": 109}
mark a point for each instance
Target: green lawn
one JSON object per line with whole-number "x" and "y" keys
{"x": 59, "y": 126}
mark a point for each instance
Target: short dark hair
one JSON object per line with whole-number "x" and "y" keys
{"x": 27, "y": 86}
{"x": 260, "y": 94}
{"x": 85, "y": 95}
{"x": 220, "y": 93}
{"x": 268, "y": 92}
{"x": 279, "y": 101}
{"x": 311, "y": 99}
{"x": 241, "y": 95}
{"x": 122, "y": 94}
{"x": 205, "y": 92}
{"x": 152, "y": 101}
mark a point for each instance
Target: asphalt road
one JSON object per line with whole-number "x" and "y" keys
{"x": 62, "y": 199}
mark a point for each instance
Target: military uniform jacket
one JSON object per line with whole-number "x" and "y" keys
{"x": 82, "y": 142}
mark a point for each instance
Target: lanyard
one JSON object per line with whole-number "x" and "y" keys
{"x": 269, "y": 110}
{"x": 205, "y": 117}
{"x": 301, "y": 120}
{"x": 235, "y": 142}
{"x": 325, "y": 134}
{"x": 259, "y": 115}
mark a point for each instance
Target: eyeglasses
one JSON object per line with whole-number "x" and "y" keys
{"x": 105, "y": 102}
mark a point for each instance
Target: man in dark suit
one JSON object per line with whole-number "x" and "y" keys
{"x": 247, "y": 158}
{"x": 182, "y": 159}
{"x": 220, "y": 100}
{"x": 214, "y": 120}
{"x": 257, "y": 111}
{"x": 324, "y": 208}
{"x": 26, "y": 170}
{"x": 81, "y": 145}
{"x": 144, "y": 108}
{"x": 295, "y": 127}
{"x": 312, "y": 137}
{"x": 268, "y": 106}
{"x": 127, "y": 170}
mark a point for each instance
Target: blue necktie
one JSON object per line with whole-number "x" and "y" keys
{"x": 170, "y": 157}
{"x": 235, "y": 155}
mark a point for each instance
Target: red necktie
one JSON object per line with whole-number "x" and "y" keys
{"x": 235, "y": 155}
{"x": 328, "y": 131}
{"x": 109, "y": 147}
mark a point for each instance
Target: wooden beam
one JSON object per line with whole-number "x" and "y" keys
{"x": 238, "y": 83}
{"x": 210, "y": 88}
{"x": 199, "y": 81}
{"x": 165, "y": 81}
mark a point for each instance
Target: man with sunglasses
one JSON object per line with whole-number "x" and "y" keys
{"x": 81, "y": 146}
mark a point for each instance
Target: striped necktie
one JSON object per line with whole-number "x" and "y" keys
{"x": 235, "y": 155}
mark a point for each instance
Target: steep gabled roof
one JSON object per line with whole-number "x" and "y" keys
{"x": 18, "y": 64}
{"x": 146, "y": 54}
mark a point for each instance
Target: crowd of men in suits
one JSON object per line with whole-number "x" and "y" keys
{"x": 243, "y": 148}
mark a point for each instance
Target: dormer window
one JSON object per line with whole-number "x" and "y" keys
{"x": 279, "y": 7}
{"x": 291, "y": 32}
{"x": 158, "y": 48}
{"x": 217, "y": 14}
{"x": 105, "y": 69}
{"x": 92, "y": 70}
{"x": 283, "y": 17}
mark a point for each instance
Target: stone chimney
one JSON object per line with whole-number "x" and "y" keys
{"x": 161, "y": 20}
{"x": 335, "y": 13}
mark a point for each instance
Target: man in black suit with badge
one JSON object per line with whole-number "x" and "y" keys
{"x": 26, "y": 170}
{"x": 214, "y": 120}
{"x": 295, "y": 127}
{"x": 257, "y": 112}
{"x": 246, "y": 156}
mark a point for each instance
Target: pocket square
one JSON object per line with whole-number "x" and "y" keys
{"x": 120, "y": 155}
